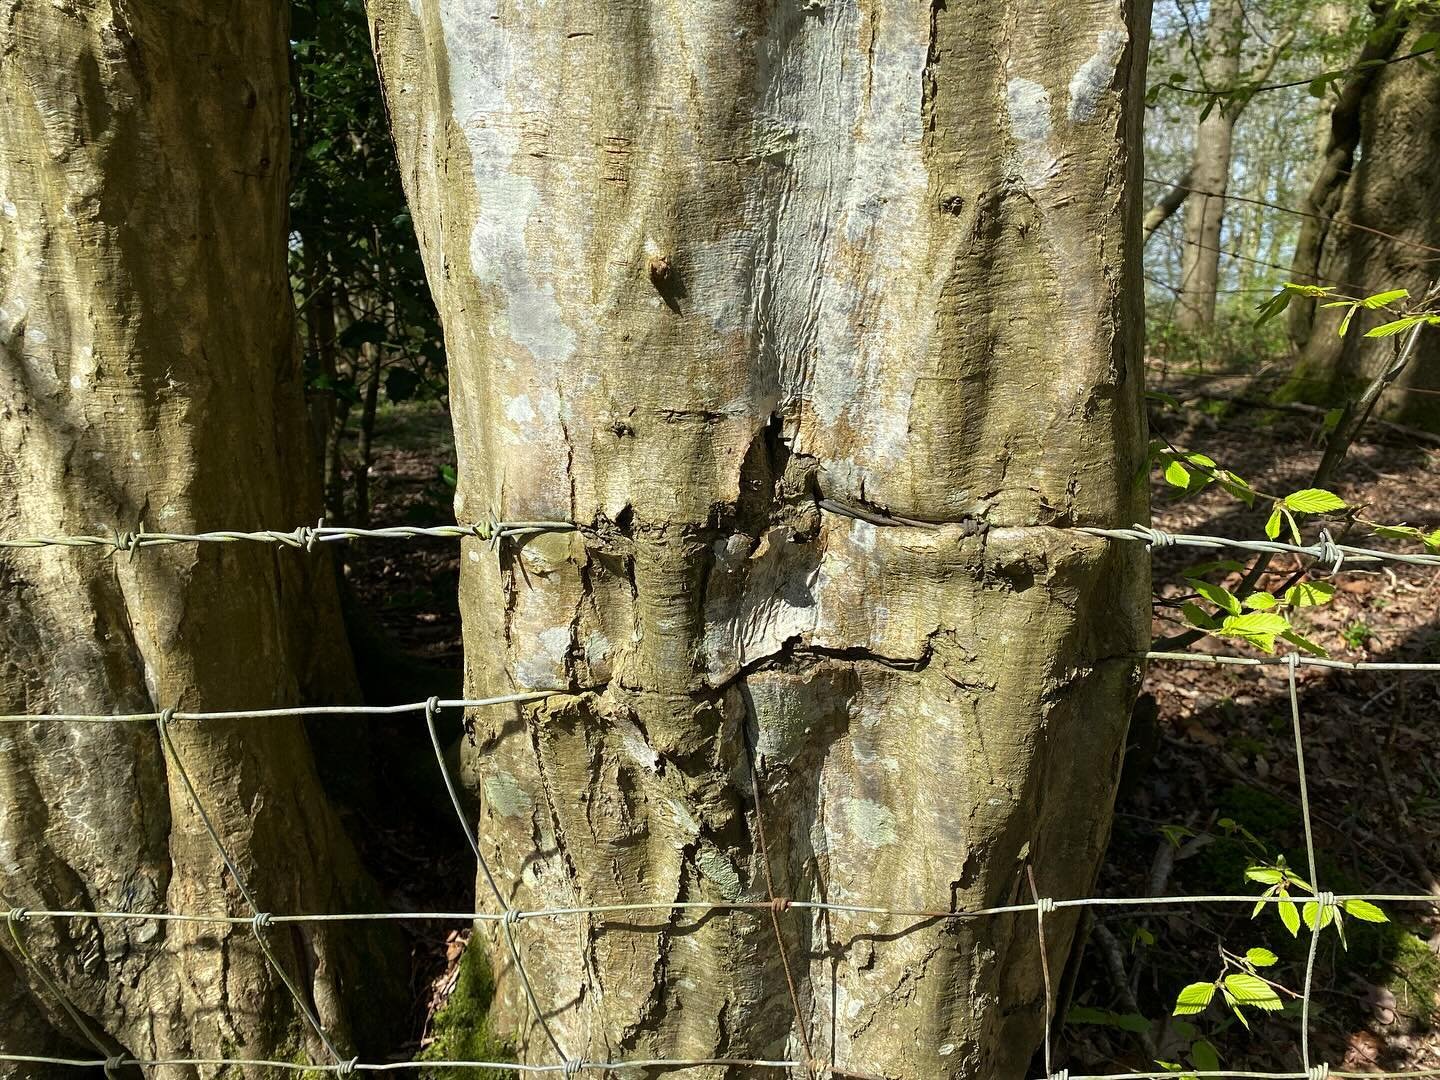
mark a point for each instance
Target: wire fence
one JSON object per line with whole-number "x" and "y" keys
{"x": 813, "y": 1064}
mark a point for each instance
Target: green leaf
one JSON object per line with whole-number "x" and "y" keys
{"x": 1260, "y": 957}
{"x": 1272, "y": 307}
{"x": 1364, "y": 911}
{"x": 1345, "y": 322}
{"x": 1310, "y": 594}
{"x": 1381, "y": 299}
{"x": 1177, "y": 475}
{"x": 1260, "y": 601}
{"x": 1235, "y": 1008}
{"x": 1312, "y": 909}
{"x": 1252, "y": 990}
{"x": 1236, "y": 486}
{"x": 1204, "y": 1056}
{"x": 1193, "y": 998}
{"x": 1272, "y": 525}
{"x": 1308, "y": 290}
{"x": 1218, "y": 595}
{"x": 1303, "y": 643}
{"x": 1313, "y": 501}
{"x": 1257, "y": 627}
{"x": 1198, "y": 617}
{"x": 1290, "y": 917}
{"x": 1398, "y": 532}
{"x": 1266, "y": 875}
{"x": 1399, "y": 326}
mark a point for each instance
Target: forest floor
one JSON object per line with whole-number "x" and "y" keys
{"x": 1210, "y": 788}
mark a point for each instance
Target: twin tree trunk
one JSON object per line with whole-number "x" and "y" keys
{"x": 1389, "y": 118}
{"x": 822, "y": 320}
{"x": 149, "y": 377}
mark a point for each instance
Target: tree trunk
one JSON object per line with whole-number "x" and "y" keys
{"x": 1390, "y": 189}
{"x": 1164, "y": 208}
{"x": 149, "y": 378}
{"x": 1210, "y": 173}
{"x": 703, "y": 269}
{"x": 1337, "y": 160}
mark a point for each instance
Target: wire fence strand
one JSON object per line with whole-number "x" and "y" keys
{"x": 1325, "y": 552}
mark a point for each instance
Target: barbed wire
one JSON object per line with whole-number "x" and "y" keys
{"x": 775, "y": 904}
{"x": 1323, "y": 550}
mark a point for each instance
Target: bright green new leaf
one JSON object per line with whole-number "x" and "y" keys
{"x": 1260, "y": 957}
{"x": 1193, "y": 998}
{"x": 1260, "y": 601}
{"x": 1310, "y": 594}
{"x": 1313, "y": 501}
{"x": 1303, "y": 643}
{"x": 1266, "y": 875}
{"x": 1236, "y": 486}
{"x": 1218, "y": 595}
{"x": 1235, "y": 1007}
{"x": 1290, "y": 917}
{"x": 1257, "y": 627}
{"x": 1345, "y": 322}
{"x": 1252, "y": 990}
{"x": 1272, "y": 525}
{"x": 1308, "y": 290}
{"x": 1177, "y": 475}
{"x": 1399, "y": 326}
{"x": 1364, "y": 911}
{"x": 1380, "y": 299}
{"x": 1327, "y": 915}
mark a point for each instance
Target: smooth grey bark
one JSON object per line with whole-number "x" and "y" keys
{"x": 702, "y": 269}
{"x": 149, "y": 377}
{"x": 1388, "y": 189}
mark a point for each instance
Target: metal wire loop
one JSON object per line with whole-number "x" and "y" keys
{"x": 1327, "y": 551}
{"x": 262, "y": 921}
{"x": 17, "y": 915}
{"x": 1156, "y": 538}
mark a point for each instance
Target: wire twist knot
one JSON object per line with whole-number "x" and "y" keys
{"x": 1326, "y": 550}
{"x": 1318, "y": 1072}
{"x": 1045, "y": 905}
{"x": 114, "y": 1064}
{"x": 819, "y": 1070}
{"x": 1325, "y": 899}
{"x": 489, "y": 529}
{"x": 128, "y": 541}
{"x": 261, "y": 921}
{"x": 572, "y": 1067}
{"x": 167, "y": 714}
{"x": 779, "y": 904}
{"x": 17, "y": 915}
{"x": 1063, "y": 1074}
{"x": 1156, "y": 538}
{"x": 306, "y": 535}
{"x": 347, "y": 1068}
{"x": 511, "y": 916}
{"x": 432, "y": 706}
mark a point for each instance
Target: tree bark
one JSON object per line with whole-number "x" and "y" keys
{"x": 149, "y": 377}
{"x": 1210, "y": 173}
{"x": 1164, "y": 208}
{"x": 701, "y": 270}
{"x": 1337, "y": 160}
{"x": 1390, "y": 189}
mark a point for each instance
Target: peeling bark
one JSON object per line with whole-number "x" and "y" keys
{"x": 149, "y": 378}
{"x": 701, "y": 269}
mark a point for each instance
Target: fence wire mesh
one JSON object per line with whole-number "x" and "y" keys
{"x": 1326, "y": 553}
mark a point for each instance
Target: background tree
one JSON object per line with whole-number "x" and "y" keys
{"x": 1375, "y": 221}
{"x": 367, "y": 321}
{"x": 149, "y": 378}
{"x": 815, "y": 318}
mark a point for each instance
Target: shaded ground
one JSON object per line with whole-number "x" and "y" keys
{"x": 1221, "y": 751}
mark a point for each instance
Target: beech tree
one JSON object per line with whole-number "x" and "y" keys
{"x": 1375, "y": 219}
{"x": 821, "y": 321}
{"x": 149, "y": 379}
